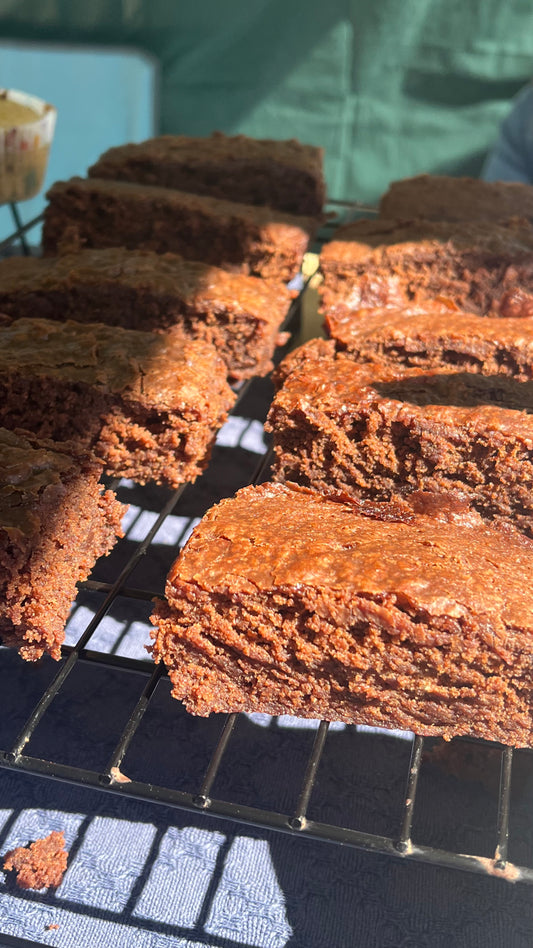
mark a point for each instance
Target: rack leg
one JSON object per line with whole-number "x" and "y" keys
{"x": 19, "y": 225}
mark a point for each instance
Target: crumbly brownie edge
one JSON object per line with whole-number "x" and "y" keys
{"x": 379, "y": 448}
{"x": 246, "y": 342}
{"x": 133, "y": 440}
{"x": 277, "y": 186}
{"x": 320, "y": 654}
{"x": 436, "y": 337}
{"x": 473, "y": 280}
{"x": 80, "y": 523}
{"x": 78, "y": 217}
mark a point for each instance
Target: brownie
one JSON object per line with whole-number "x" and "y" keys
{"x": 483, "y": 268}
{"x": 93, "y": 212}
{"x": 434, "y": 335}
{"x": 411, "y": 615}
{"x": 442, "y": 197}
{"x": 55, "y": 521}
{"x": 283, "y": 174}
{"x": 240, "y": 315}
{"x": 148, "y": 404}
{"x": 40, "y": 864}
{"x": 377, "y": 431}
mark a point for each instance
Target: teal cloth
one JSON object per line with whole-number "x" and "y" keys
{"x": 390, "y": 88}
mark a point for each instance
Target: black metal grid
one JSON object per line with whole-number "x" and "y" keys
{"x": 199, "y": 797}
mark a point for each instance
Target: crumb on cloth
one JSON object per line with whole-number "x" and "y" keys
{"x": 40, "y": 864}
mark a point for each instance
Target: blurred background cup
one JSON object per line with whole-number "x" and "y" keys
{"x": 26, "y": 131}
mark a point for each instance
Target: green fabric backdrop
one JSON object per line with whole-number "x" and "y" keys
{"x": 389, "y": 87}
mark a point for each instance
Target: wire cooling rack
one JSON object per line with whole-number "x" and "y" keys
{"x": 200, "y": 793}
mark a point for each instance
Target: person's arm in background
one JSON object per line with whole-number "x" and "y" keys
{"x": 511, "y": 158}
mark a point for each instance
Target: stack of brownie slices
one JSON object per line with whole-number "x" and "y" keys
{"x": 383, "y": 578}
{"x": 163, "y": 281}
{"x": 195, "y": 235}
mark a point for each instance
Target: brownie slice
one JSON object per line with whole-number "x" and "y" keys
{"x": 240, "y": 315}
{"x": 55, "y": 521}
{"x": 375, "y": 431}
{"x": 148, "y": 404}
{"x": 283, "y": 174}
{"x": 441, "y": 197}
{"x": 91, "y": 212}
{"x": 480, "y": 267}
{"x": 415, "y": 616}
{"x": 435, "y": 335}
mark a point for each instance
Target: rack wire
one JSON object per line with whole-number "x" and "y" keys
{"x": 200, "y": 796}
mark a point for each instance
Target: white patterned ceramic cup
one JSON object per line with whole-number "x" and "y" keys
{"x": 24, "y": 148}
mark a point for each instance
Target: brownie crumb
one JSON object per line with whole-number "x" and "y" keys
{"x": 40, "y": 864}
